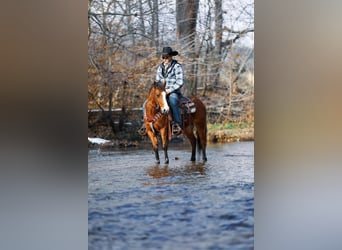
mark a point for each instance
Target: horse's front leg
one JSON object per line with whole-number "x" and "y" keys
{"x": 166, "y": 155}
{"x": 156, "y": 154}
{"x": 165, "y": 142}
{"x": 154, "y": 141}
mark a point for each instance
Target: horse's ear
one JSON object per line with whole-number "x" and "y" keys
{"x": 159, "y": 84}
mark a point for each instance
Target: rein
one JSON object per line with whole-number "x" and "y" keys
{"x": 155, "y": 110}
{"x": 156, "y": 116}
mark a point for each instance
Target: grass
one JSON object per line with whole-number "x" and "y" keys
{"x": 231, "y": 125}
{"x": 230, "y": 132}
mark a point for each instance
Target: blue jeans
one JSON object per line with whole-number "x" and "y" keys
{"x": 176, "y": 115}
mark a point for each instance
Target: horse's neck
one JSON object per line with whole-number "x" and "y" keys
{"x": 151, "y": 108}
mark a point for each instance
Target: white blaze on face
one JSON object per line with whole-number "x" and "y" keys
{"x": 165, "y": 106}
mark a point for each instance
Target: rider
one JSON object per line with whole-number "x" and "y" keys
{"x": 170, "y": 72}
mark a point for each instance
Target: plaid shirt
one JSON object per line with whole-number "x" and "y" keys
{"x": 173, "y": 75}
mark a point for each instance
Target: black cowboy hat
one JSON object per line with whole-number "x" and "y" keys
{"x": 169, "y": 51}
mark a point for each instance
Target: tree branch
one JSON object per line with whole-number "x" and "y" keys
{"x": 238, "y": 35}
{"x": 111, "y": 14}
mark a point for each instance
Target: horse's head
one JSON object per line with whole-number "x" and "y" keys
{"x": 159, "y": 96}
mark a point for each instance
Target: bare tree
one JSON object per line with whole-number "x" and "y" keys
{"x": 218, "y": 40}
{"x": 124, "y": 37}
{"x": 186, "y": 19}
{"x": 155, "y": 23}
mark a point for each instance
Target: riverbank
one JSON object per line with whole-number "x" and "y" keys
{"x": 217, "y": 133}
{"x": 230, "y": 132}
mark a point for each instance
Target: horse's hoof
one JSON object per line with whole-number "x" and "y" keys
{"x": 193, "y": 159}
{"x": 166, "y": 161}
{"x": 158, "y": 162}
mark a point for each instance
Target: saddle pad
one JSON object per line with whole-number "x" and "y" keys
{"x": 187, "y": 105}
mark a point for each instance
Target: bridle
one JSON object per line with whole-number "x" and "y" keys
{"x": 155, "y": 105}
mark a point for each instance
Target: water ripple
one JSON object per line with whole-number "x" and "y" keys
{"x": 134, "y": 204}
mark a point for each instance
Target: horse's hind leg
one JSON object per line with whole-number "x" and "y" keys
{"x": 202, "y": 140}
{"x": 204, "y": 155}
{"x": 188, "y": 131}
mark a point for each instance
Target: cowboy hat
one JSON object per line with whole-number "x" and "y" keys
{"x": 169, "y": 51}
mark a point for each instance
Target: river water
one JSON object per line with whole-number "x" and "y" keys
{"x": 135, "y": 204}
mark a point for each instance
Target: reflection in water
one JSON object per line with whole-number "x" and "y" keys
{"x": 183, "y": 205}
{"x": 159, "y": 172}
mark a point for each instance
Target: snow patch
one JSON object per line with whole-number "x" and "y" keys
{"x": 97, "y": 140}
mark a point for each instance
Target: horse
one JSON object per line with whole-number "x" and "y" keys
{"x": 157, "y": 123}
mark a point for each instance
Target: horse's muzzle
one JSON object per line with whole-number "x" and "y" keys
{"x": 164, "y": 111}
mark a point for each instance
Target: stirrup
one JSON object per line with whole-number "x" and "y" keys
{"x": 142, "y": 130}
{"x": 176, "y": 129}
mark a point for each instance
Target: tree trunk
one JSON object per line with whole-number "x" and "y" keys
{"x": 155, "y": 16}
{"x": 141, "y": 17}
{"x": 186, "y": 18}
{"x": 218, "y": 41}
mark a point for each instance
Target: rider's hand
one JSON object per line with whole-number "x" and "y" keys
{"x": 168, "y": 91}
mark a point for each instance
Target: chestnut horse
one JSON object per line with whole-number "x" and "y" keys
{"x": 157, "y": 123}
